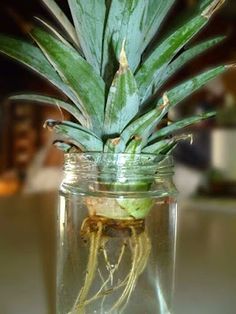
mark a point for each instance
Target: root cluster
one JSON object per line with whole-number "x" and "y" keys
{"x": 133, "y": 242}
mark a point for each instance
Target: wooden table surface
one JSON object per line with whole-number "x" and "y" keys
{"x": 206, "y": 256}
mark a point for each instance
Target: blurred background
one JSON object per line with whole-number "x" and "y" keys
{"x": 30, "y": 172}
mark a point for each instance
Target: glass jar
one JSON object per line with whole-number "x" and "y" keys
{"x": 116, "y": 234}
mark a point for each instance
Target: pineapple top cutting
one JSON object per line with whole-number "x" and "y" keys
{"x": 111, "y": 85}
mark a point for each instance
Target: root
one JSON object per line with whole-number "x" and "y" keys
{"x": 100, "y": 232}
{"x": 100, "y": 292}
{"x": 131, "y": 276}
{"x": 78, "y": 307}
{"x": 144, "y": 249}
{"x": 141, "y": 251}
{"x": 140, "y": 256}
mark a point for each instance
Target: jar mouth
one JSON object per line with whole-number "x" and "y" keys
{"x": 116, "y": 167}
{"x": 124, "y": 160}
{"x": 121, "y": 173}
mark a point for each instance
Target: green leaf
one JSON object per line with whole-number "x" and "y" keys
{"x": 210, "y": 6}
{"x": 66, "y": 147}
{"x": 110, "y": 145}
{"x": 74, "y": 111}
{"x": 157, "y": 12}
{"x": 182, "y": 91}
{"x": 185, "y": 57}
{"x": 52, "y": 30}
{"x": 204, "y": 3}
{"x": 158, "y": 147}
{"x": 83, "y": 137}
{"x": 164, "y": 53}
{"x": 123, "y": 99}
{"x": 33, "y": 58}
{"x": 134, "y": 146}
{"x": 164, "y": 146}
{"x": 77, "y": 73}
{"x": 145, "y": 125}
{"x": 125, "y": 21}
{"x": 176, "y": 126}
{"x": 62, "y": 19}
{"x": 89, "y": 17}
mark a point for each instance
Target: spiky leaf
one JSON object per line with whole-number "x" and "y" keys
{"x": 52, "y": 101}
{"x": 135, "y": 146}
{"x": 83, "y": 137}
{"x": 125, "y": 21}
{"x": 66, "y": 147}
{"x": 89, "y": 18}
{"x": 32, "y": 57}
{"x": 185, "y": 57}
{"x": 110, "y": 145}
{"x": 164, "y": 146}
{"x": 142, "y": 127}
{"x": 62, "y": 20}
{"x": 157, "y": 12}
{"x": 77, "y": 73}
{"x": 123, "y": 99}
{"x": 146, "y": 124}
{"x": 180, "y": 92}
{"x": 179, "y": 125}
{"x": 52, "y": 30}
{"x": 163, "y": 54}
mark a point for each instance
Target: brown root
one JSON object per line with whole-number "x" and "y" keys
{"x": 112, "y": 228}
{"x": 99, "y": 231}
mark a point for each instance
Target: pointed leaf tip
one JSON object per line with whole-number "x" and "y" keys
{"x": 50, "y": 124}
{"x": 231, "y": 66}
{"x": 123, "y": 58}
{"x": 115, "y": 141}
{"x": 165, "y": 103}
{"x": 212, "y": 8}
{"x": 184, "y": 137}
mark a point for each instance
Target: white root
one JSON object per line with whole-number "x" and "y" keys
{"x": 133, "y": 274}
{"x": 95, "y": 237}
{"x": 139, "y": 247}
{"x": 100, "y": 292}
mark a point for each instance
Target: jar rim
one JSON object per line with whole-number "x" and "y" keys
{"x": 132, "y": 166}
{"x": 163, "y": 161}
{"x": 128, "y": 173}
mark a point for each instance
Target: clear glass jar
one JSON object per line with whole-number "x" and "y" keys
{"x": 116, "y": 234}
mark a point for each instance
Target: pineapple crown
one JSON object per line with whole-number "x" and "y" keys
{"x": 110, "y": 79}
